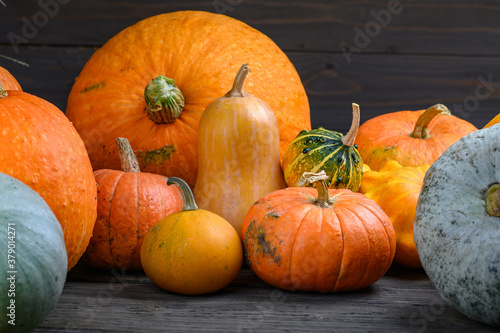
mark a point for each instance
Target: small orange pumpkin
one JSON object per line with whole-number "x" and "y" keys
{"x": 396, "y": 190}
{"x": 8, "y": 81}
{"x": 152, "y": 81}
{"x": 41, "y": 148}
{"x": 129, "y": 203}
{"x": 324, "y": 240}
{"x": 411, "y": 138}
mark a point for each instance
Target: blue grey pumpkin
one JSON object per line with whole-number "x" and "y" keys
{"x": 34, "y": 262}
{"x": 457, "y": 225}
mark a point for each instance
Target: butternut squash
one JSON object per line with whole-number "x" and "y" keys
{"x": 238, "y": 153}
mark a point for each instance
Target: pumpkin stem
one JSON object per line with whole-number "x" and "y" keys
{"x": 189, "y": 203}
{"x": 164, "y": 101}
{"x": 493, "y": 200}
{"x": 421, "y": 130}
{"x": 348, "y": 139}
{"x": 239, "y": 81}
{"x": 3, "y": 93}
{"x": 319, "y": 181}
{"x": 127, "y": 156}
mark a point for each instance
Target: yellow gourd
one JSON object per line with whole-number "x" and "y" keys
{"x": 191, "y": 252}
{"x": 238, "y": 153}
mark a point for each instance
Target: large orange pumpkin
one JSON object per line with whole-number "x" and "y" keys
{"x": 325, "y": 240}
{"x": 411, "y": 138}
{"x": 187, "y": 59}
{"x": 42, "y": 149}
{"x": 130, "y": 202}
{"x": 8, "y": 81}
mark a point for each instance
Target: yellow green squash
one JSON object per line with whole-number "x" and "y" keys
{"x": 322, "y": 149}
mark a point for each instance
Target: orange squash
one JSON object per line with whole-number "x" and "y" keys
{"x": 396, "y": 190}
{"x": 493, "y": 121}
{"x": 8, "y": 81}
{"x": 42, "y": 149}
{"x": 174, "y": 65}
{"x": 238, "y": 153}
{"x": 129, "y": 203}
{"x": 324, "y": 240}
{"x": 191, "y": 252}
{"x": 411, "y": 138}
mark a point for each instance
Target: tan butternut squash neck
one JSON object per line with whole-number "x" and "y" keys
{"x": 421, "y": 130}
{"x": 164, "y": 100}
{"x": 239, "y": 81}
{"x": 189, "y": 203}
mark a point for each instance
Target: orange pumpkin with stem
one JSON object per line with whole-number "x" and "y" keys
{"x": 42, "y": 149}
{"x": 8, "y": 81}
{"x": 324, "y": 240}
{"x": 130, "y": 202}
{"x": 411, "y": 138}
{"x": 152, "y": 81}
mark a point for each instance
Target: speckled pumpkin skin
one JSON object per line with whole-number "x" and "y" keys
{"x": 7, "y": 81}
{"x": 322, "y": 149}
{"x": 457, "y": 241}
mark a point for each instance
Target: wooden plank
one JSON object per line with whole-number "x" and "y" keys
{"x": 379, "y": 83}
{"x": 402, "y": 301}
{"x": 458, "y": 27}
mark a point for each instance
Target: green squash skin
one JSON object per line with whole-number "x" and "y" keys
{"x": 322, "y": 149}
{"x": 40, "y": 254}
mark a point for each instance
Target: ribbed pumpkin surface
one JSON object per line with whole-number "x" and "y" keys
{"x": 129, "y": 204}
{"x": 322, "y": 149}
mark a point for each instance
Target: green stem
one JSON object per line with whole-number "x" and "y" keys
{"x": 492, "y": 200}
{"x": 421, "y": 130}
{"x": 319, "y": 181}
{"x": 239, "y": 81}
{"x": 127, "y": 157}
{"x": 350, "y": 137}
{"x": 3, "y": 93}
{"x": 164, "y": 101}
{"x": 189, "y": 203}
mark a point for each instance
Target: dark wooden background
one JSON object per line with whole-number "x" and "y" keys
{"x": 428, "y": 52}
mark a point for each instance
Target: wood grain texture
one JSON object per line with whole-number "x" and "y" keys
{"x": 446, "y": 27}
{"x": 402, "y": 301}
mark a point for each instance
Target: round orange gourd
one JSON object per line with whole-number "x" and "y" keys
{"x": 191, "y": 252}
{"x": 238, "y": 143}
{"x": 129, "y": 203}
{"x": 411, "y": 138}
{"x": 325, "y": 240}
{"x": 185, "y": 59}
{"x": 396, "y": 190}
{"x": 8, "y": 81}
{"x": 42, "y": 149}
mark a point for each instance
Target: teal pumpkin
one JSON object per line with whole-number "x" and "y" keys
{"x": 322, "y": 149}
{"x": 34, "y": 262}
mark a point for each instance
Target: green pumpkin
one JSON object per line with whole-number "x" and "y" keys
{"x": 322, "y": 149}
{"x": 34, "y": 261}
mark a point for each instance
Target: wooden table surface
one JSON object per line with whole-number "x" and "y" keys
{"x": 120, "y": 301}
{"x": 426, "y": 52}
